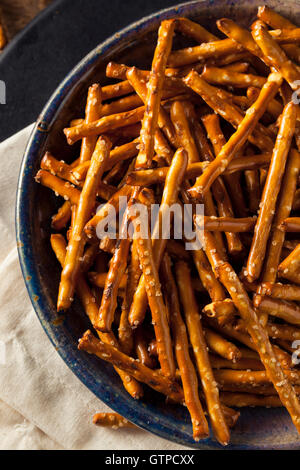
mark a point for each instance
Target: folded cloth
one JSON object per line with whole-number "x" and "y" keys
{"x": 44, "y": 404}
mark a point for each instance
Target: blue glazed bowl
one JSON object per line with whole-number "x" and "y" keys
{"x": 256, "y": 428}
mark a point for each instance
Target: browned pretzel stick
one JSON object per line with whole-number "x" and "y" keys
{"x": 109, "y": 353}
{"x": 240, "y": 298}
{"x": 200, "y": 349}
{"x": 237, "y": 140}
{"x": 112, "y": 420}
{"x": 270, "y": 192}
{"x": 181, "y": 345}
{"x": 89, "y": 304}
{"x": 85, "y": 206}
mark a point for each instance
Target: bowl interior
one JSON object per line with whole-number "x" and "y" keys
{"x": 257, "y": 428}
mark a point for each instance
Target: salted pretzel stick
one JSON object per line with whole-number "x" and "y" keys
{"x": 184, "y": 135}
{"x": 85, "y": 206}
{"x": 62, "y": 217}
{"x": 283, "y": 332}
{"x": 238, "y": 139}
{"x": 154, "y": 93}
{"x": 219, "y": 76}
{"x": 270, "y": 192}
{"x": 289, "y": 268}
{"x": 242, "y": 364}
{"x": 163, "y": 119}
{"x": 169, "y": 197}
{"x": 132, "y": 386}
{"x": 228, "y": 224}
{"x": 260, "y": 338}
{"x": 155, "y": 300}
{"x": 212, "y": 125}
{"x": 133, "y": 367}
{"x": 112, "y": 420}
{"x": 214, "y": 49}
{"x": 115, "y": 90}
{"x": 117, "y": 201}
{"x": 283, "y": 209}
{"x": 92, "y": 113}
{"x": 186, "y": 367}
{"x": 249, "y": 399}
{"x": 278, "y": 22}
{"x": 222, "y": 310}
{"x": 60, "y": 187}
{"x": 194, "y": 30}
{"x": 291, "y": 224}
{"x": 158, "y": 175}
{"x": 253, "y": 377}
{"x": 281, "y": 291}
{"x": 218, "y": 101}
{"x": 221, "y": 346}
{"x": 104, "y": 124}
{"x": 58, "y": 168}
{"x": 287, "y": 311}
{"x": 134, "y": 273}
{"x": 275, "y": 55}
{"x": 197, "y": 340}
{"x": 115, "y": 274}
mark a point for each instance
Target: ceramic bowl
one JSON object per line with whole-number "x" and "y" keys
{"x": 256, "y": 428}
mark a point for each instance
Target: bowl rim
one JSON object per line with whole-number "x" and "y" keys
{"x": 134, "y": 413}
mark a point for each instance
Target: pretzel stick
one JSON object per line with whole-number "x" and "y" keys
{"x": 238, "y": 139}
{"x": 92, "y": 113}
{"x": 222, "y": 310}
{"x": 242, "y": 364}
{"x": 283, "y": 209}
{"x": 280, "y": 308}
{"x": 281, "y": 291}
{"x": 275, "y": 55}
{"x": 141, "y": 348}
{"x": 194, "y": 30}
{"x": 184, "y": 135}
{"x": 240, "y": 298}
{"x": 112, "y": 420}
{"x": 221, "y": 346}
{"x": 214, "y": 49}
{"x": 219, "y": 76}
{"x": 116, "y": 271}
{"x": 60, "y": 187}
{"x": 197, "y": 340}
{"x": 89, "y": 303}
{"x": 291, "y": 224}
{"x": 216, "y": 136}
{"x": 270, "y": 192}
{"x": 85, "y": 205}
{"x": 289, "y": 268}
{"x": 155, "y": 300}
{"x": 115, "y": 90}
{"x": 169, "y": 197}
{"x": 249, "y": 399}
{"x": 229, "y": 224}
{"x": 283, "y": 332}
{"x": 217, "y": 99}
{"x": 154, "y": 93}
{"x": 181, "y": 345}
{"x": 58, "y": 168}
{"x": 140, "y": 372}
{"x": 248, "y": 378}
{"x": 62, "y": 217}
{"x": 134, "y": 273}
{"x": 163, "y": 119}
{"x": 278, "y": 22}
{"x": 98, "y": 279}
{"x": 104, "y": 124}
{"x": 274, "y": 108}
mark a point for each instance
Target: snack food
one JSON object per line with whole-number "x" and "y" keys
{"x": 204, "y": 317}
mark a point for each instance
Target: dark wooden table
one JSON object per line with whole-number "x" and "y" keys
{"x": 16, "y": 14}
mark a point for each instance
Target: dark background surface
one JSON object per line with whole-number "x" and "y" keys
{"x": 38, "y": 58}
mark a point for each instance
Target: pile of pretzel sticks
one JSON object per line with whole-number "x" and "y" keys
{"x": 216, "y": 123}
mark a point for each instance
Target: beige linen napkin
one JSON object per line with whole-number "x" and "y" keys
{"x": 42, "y": 403}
